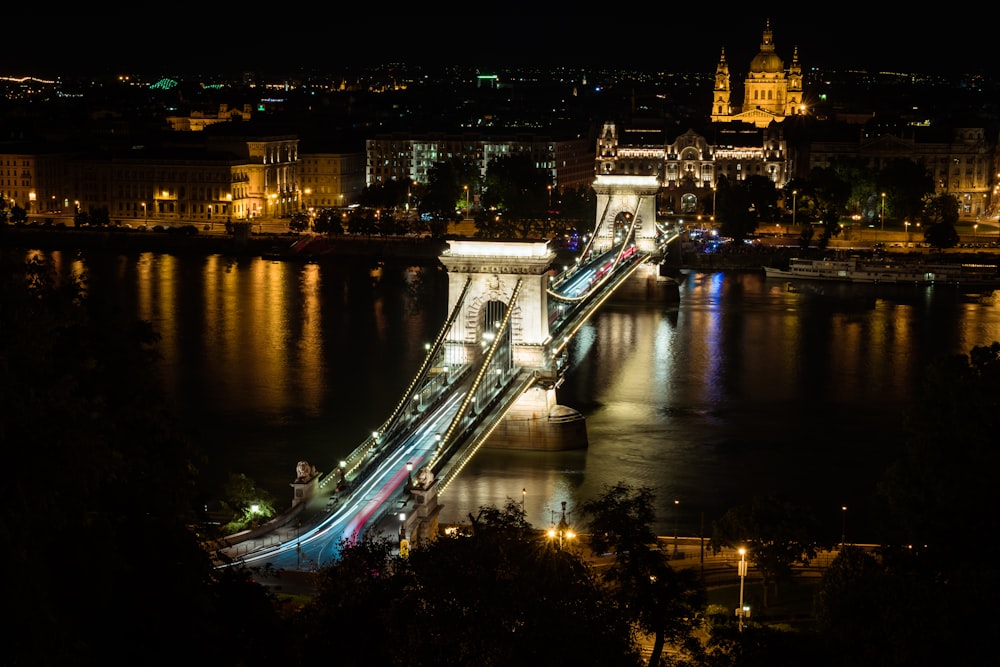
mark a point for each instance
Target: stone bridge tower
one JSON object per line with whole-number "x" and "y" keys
{"x": 626, "y": 188}
{"x": 536, "y": 421}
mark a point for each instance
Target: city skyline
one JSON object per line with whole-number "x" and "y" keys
{"x": 95, "y": 44}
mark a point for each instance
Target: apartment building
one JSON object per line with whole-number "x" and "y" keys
{"x": 405, "y": 157}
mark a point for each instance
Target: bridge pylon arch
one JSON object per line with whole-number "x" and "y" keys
{"x": 622, "y": 200}
{"x": 511, "y": 276}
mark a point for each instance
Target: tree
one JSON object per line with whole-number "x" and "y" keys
{"x": 447, "y": 182}
{"x": 520, "y": 190}
{"x": 100, "y": 217}
{"x": 853, "y": 606}
{"x": 18, "y": 215}
{"x": 248, "y": 503}
{"x": 328, "y": 222}
{"x": 861, "y": 179}
{"x": 735, "y": 217}
{"x": 763, "y": 197}
{"x": 578, "y": 208}
{"x": 776, "y": 533}
{"x": 830, "y": 189}
{"x": 664, "y": 602}
{"x": 81, "y": 387}
{"x": 354, "y": 594}
{"x": 941, "y": 483}
{"x": 906, "y": 184}
{"x": 299, "y": 222}
{"x": 498, "y": 595}
{"x": 939, "y": 216}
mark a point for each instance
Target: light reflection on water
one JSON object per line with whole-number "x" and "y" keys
{"x": 743, "y": 387}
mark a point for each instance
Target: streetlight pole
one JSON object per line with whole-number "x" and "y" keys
{"x": 524, "y": 493}
{"x": 843, "y": 525}
{"x": 883, "y": 216}
{"x": 794, "y": 193}
{"x": 676, "y": 512}
{"x": 741, "y": 611}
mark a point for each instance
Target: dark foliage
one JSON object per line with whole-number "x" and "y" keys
{"x": 102, "y": 565}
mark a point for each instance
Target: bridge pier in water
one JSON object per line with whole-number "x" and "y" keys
{"x": 538, "y": 422}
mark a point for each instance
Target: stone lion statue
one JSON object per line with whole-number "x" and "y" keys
{"x": 424, "y": 477}
{"x": 304, "y": 471}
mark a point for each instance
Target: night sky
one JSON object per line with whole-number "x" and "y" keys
{"x": 139, "y": 40}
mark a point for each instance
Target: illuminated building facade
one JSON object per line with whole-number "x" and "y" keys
{"x": 961, "y": 160}
{"x": 688, "y": 166}
{"x": 331, "y": 179}
{"x": 770, "y": 93}
{"x": 405, "y": 157}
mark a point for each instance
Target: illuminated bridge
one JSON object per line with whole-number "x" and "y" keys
{"x": 490, "y": 375}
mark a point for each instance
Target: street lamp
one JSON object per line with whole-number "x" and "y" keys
{"x": 467, "y": 205}
{"x": 742, "y": 611}
{"x": 975, "y": 232}
{"x": 843, "y": 524}
{"x": 562, "y": 529}
{"x": 409, "y": 473}
{"x": 794, "y": 193}
{"x": 676, "y": 512}
{"x": 524, "y": 493}
{"x": 883, "y": 215}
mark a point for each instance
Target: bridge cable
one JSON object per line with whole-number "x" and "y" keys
{"x": 487, "y": 358}
{"x": 427, "y": 364}
{"x": 358, "y": 455}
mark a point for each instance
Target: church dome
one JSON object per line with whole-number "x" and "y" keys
{"x": 767, "y": 62}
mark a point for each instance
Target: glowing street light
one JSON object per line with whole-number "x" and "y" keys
{"x": 794, "y": 193}
{"x": 883, "y": 214}
{"x": 743, "y": 610}
{"x": 843, "y": 524}
{"x": 677, "y": 504}
{"x": 562, "y": 530}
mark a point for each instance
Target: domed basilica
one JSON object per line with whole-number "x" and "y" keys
{"x": 769, "y": 92}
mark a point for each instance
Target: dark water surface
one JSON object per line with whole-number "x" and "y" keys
{"x": 743, "y": 387}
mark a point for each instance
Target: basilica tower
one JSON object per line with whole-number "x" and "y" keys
{"x": 721, "y": 107}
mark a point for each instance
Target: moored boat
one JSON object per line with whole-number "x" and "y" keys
{"x": 875, "y": 271}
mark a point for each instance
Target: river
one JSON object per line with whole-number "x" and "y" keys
{"x": 742, "y": 387}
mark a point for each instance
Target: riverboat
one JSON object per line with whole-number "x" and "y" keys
{"x": 878, "y": 271}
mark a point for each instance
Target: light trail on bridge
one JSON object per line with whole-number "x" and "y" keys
{"x": 361, "y": 507}
{"x": 382, "y": 471}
